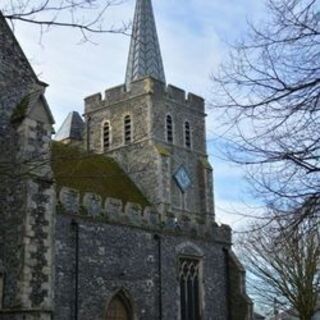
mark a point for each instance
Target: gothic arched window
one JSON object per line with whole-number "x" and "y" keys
{"x": 106, "y": 135}
{"x": 169, "y": 129}
{"x": 187, "y": 134}
{"x": 189, "y": 289}
{"x": 127, "y": 129}
{"x": 119, "y": 309}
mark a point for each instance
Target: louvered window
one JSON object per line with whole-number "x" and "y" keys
{"x": 127, "y": 130}
{"x": 106, "y": 136}
{"x": 189, "y": 289}
{"x": 169, "y": 127}
{"x": 187, "y": 134}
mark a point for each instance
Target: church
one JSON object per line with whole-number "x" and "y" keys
{"x": 114, "y": 218}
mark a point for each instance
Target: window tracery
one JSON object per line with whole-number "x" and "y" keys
{"x": 189, "y": 278}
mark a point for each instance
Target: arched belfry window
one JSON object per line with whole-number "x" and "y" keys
{"x": 127, "y": 129}
{"x": 106, "y": 135}
{"x": 187, "y": 134}
{"x": 119, "y": 308}
{"x": 189, "y": 289}
{"x": 169, "y": 129}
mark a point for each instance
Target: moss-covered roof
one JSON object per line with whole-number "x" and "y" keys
{"x": 205, "y": 163}
{"x": 163, "y": 151}
{"x": 93, "y": 173}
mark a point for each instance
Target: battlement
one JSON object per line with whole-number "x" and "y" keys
{"x": 176, "y": 94}
{"x": 114, "y": 210}
{"x": 144, "y": 86}
{"x": 183, "y": 97}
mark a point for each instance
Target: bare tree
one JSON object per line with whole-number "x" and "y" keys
{"x": 87, "y": 16}
{"x": 284, "y": 266}
{"x": 269, "y": 93}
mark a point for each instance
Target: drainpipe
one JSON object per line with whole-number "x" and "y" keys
{"x": 158, "y": 239}
{"x": 2, "y": 286}
{"x": 75, "y": 227}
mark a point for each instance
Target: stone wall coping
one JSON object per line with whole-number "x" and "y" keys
{"x": 115, "y": 210}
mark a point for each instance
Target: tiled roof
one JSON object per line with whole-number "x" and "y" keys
{"x": 144, "y": 55}
{"x": 93, "y": 173}
{"x": 72, "y": 128}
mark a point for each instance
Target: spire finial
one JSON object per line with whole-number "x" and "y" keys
{"x": 144, "y": 55}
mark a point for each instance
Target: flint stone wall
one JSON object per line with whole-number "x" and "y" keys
{"x": 112, "y": 210}
{"x": 117, "y": 257}
{"x": 28, "y": 219}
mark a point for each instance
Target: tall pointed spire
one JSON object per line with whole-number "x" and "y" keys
{"x": 144, "y": 55}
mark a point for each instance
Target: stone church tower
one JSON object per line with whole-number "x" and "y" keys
{"x": 156, "y": 132}
{"x": 115, "y": 219}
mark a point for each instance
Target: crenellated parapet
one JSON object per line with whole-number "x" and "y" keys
{"x": 144, "y": 86}
{"x": 113, "y": 210}
{"x": 186, "y": 98}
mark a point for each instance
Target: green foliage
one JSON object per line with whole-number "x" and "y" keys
{"x": 20, "y": 111}
{"x": 163, "y": 151}
{"x": 205, "y": 163}
{"x": 93, "y": 173}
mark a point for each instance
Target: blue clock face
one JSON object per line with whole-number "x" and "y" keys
{"x": 182, "y": 178}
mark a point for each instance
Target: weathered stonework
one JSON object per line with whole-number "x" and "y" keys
{"x": 114, "y": 257}
{"x": 26, "y": 191}
{"x": 29, "y": 222}
{"x": 116, "y": 212}
{"x": 149, "y": 160}
{"x": 240, "y": 305}
{"x": 77, "y": 230}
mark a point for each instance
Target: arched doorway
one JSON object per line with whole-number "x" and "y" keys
{"x": 119, "y": 308}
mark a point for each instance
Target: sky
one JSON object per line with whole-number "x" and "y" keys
{"x": 194, "y": 37}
